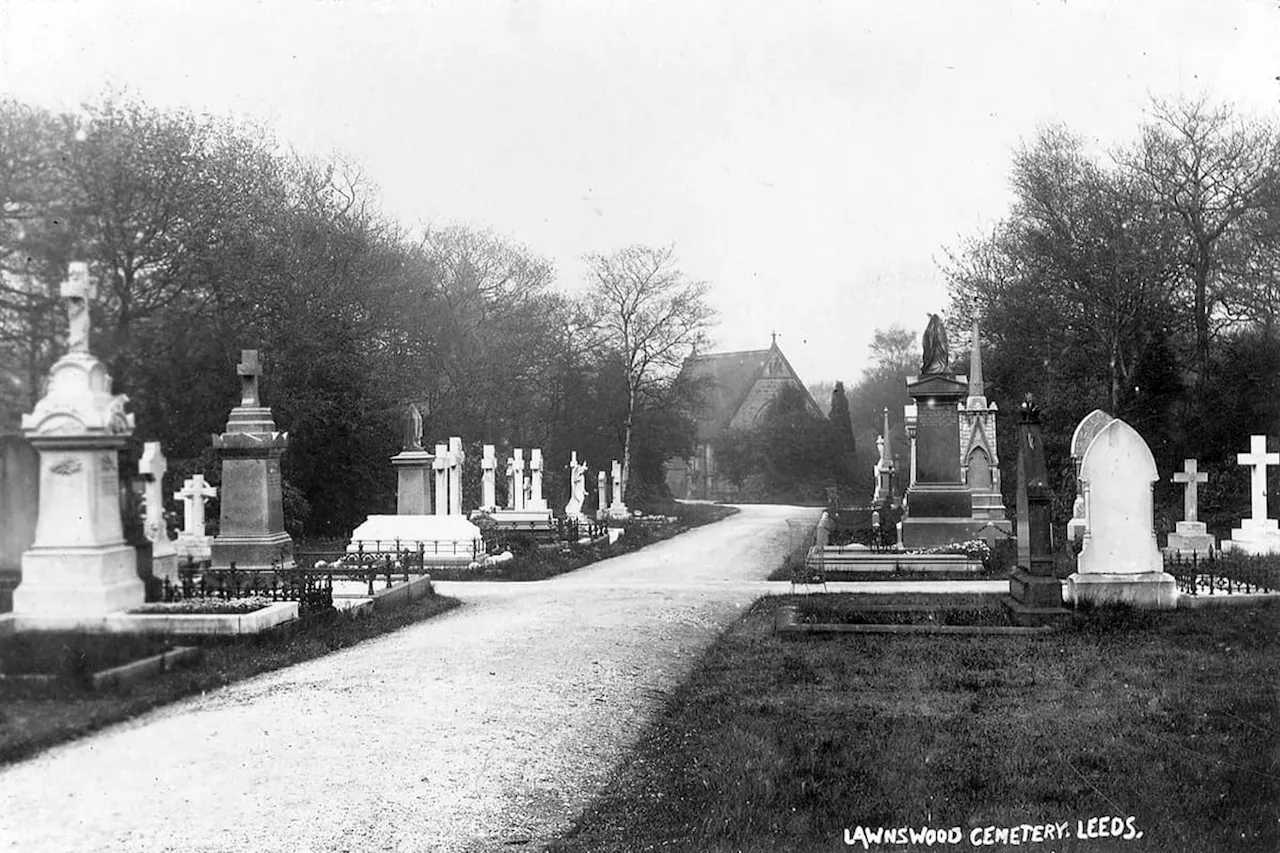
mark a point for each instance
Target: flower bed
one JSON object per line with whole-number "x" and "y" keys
{"x": 207, "y": 606}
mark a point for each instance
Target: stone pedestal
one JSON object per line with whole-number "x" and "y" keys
{"x": 1190, "y": 537}
{"x": 413, "y": 482}
{"x": 940, "y": 509}
{"x": 1035, "y": 599}
{"x": 78, "y": 564}
{"x": 1254, "y": 536}
{"x": 251, "y": 533}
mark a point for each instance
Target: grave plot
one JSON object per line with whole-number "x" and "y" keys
{"x": 811, "y": 616}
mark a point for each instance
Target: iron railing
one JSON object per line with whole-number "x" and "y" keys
{"x": 1217, "y": 573}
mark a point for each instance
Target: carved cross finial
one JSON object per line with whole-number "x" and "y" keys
{"x": 774, "y": 336}
{"x": 249, "y": 370}
{"x": 77, "y": 292}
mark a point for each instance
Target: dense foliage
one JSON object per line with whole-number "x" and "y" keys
{"x": 205, "y": 237}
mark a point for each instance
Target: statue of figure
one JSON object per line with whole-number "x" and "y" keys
{"x": 77, "y": 291}
{"x": 412, "y": 428}
{"x": 936, "y": 358}
{"x": 578, "y": 484}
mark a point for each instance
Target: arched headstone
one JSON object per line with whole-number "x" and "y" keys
{"x": 1119, "y": 560}
{"x": 1088, "y": 428}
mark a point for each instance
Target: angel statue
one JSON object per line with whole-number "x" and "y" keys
{"x": 936, "y": 357}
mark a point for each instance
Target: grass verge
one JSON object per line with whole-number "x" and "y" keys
{"x": 35, "y": 718}
{"x": 1167, "y": 719}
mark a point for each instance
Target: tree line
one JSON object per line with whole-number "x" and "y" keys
{"x": 206, "y": 236}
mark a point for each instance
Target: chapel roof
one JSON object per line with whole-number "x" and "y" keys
{"x": 726, "y": 379}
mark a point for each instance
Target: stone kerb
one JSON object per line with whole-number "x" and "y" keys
{"x": 1120, "y": 560}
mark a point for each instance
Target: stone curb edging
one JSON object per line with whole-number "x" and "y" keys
{"x": 786, "y": 623}
{"x": 1225, "y": 600}
{"x": 139, "y": 670}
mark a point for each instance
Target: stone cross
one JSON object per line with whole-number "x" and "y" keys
{"x": 535, "y": 478}
{"x": 617, "y": 483}
{"x": 602, "y": 485}
{"x": 1259, "y": 459}
{"x": 488, "y": 488}
{"x": 153, "y": 466}
{"x": 517, "y": 465}
{"x": 456, "y": 457}
{"x": 441, "y": 466}
{"x": 249, "y": 370}
{"x": 1192, "y": 477}
{"x": 78, "y": 292}
{"x": 193, "y": 494}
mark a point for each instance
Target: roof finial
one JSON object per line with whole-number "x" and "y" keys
{"x": 774, "y": 335}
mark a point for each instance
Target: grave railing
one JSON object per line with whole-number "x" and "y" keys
{"x": 313, "y": 590}
{"x": 371, "y": 560}
{"x": 1219, "y": 574}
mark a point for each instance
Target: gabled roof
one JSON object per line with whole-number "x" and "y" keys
{"x": 725, "y": 380}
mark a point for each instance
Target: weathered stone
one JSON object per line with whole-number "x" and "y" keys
{"x": 192, "y": 543}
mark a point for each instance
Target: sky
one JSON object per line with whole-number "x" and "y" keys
{"x": 813, "y": 161}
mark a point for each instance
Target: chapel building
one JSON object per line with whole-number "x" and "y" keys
{"x": 736, "y": 389}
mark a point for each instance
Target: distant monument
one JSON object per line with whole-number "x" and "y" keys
{"x": 1190, "y": 536}
{"x": 980, "y": 463}
{"x": 577, "y": 487}
{"x": 251, "y": 533}
{"x": 1257, "y": 534}
{"x": 413, "y": 466}
{"x": 939, "y": 506}
{"x": 1035, "y": 593}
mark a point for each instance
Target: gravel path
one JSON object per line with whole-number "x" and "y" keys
{"x": 493, "y": 724}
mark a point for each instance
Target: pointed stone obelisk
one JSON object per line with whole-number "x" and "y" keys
{"x": 884, "y": 466}
{"x": 251, "y": 533}
{"x": 979, "y": 460}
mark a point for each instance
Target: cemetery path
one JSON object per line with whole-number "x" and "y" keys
{"x": 490, "y": 725}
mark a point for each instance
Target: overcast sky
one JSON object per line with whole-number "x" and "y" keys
{"x": 812, "y": 161}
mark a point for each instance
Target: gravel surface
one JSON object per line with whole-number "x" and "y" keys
{"x": 489, "y": 726}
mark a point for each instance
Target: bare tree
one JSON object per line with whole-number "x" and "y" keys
{"x": 648, "y": 316}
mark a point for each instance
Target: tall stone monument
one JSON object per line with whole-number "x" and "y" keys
{"x": 883, "y": 468}
{"x": 536, "y": 501}
{"x": 602, "y": 501}
{"x": 251, "y": 533}
{"x": 577, "y": 487}
{"x": 152, "y": 467}
{"x": 618, "y": 508}
{"x": 1257, "y": 534}
{"x": 980, "y": 462}
{"x": 1119, "y": 560}
{"x": 440, "y": 464}
{"x": 1090, "y": 425}
{"x": 1035, "y": 594}
{"x": 413, "y": 466}
{"x": 939, "y": 504}
{"x": 457, "y": 456}
{"x": 78, "y": 565}
{"x": 488, "y": 481}
{"x": 1190, "y": 537}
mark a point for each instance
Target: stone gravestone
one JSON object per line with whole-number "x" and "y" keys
{"x": 456, "y": 458}
{"x": 412, "y": 464}
{"x": 1257, "y": 534}
{"x": 251, "y": 533}
{"x": 1119, "y": 560}
{"x": 577, "y": 487}
{"x": 1190, "y": 536}
{"x": 488, "y": 481}
{"x": 1035, "y": 594}
{"x": 602, "y": 503}
{"x": 617, "y": 509}
{"x": 536, "y": 501}
{"x": 883, "y": 469}
{"x": 152, "y": 467}
{"x": 192, "y": 543}
{"x": 78, "y": 566}
{"x": 517, "y": 498}
{"x": 440, "y": 463}
{"x": 939, "y": 503}
{"x": 1090, "y": 425}
{"x": 19, "y": 501}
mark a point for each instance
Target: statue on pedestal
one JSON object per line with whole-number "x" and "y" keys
{"x": 936, "y": 357}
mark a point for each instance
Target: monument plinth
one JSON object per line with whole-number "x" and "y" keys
{"x": 939, "y": 504}
{"x": 251, "y": 533}
{"x": 79, "y": 564}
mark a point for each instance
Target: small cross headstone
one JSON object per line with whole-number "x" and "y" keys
{"x": 249, "y": 370}
{"x": 153, "y": 466}
{"x": 1259, "y": 459}
{"x": 193, "y": 494}
{"x": 1191, "y": 476}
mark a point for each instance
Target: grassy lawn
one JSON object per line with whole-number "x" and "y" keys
{"x": 35, "y": 718}
{"x": 779, "y": 745}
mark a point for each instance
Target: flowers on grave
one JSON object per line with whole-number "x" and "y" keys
{"x": 974, "y": 549}
{"x": 206, "y": 606}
